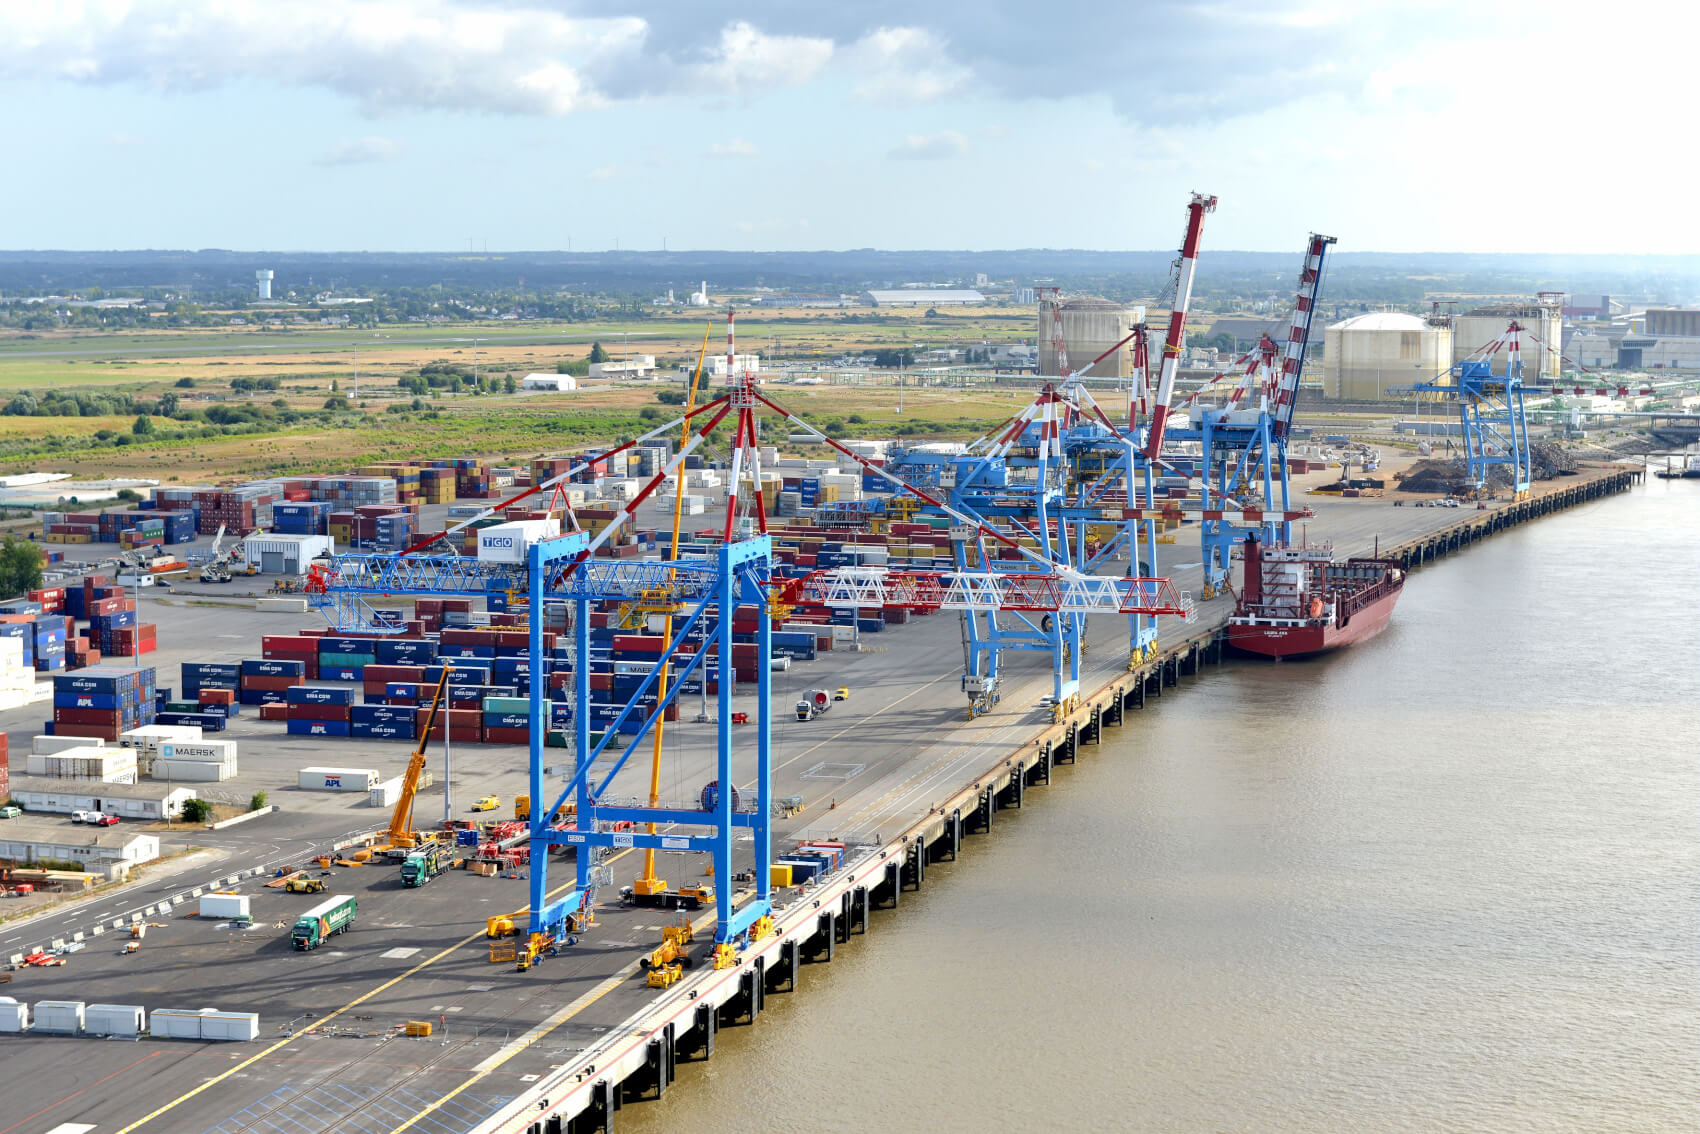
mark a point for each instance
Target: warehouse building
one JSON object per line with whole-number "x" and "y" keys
{"x": 147, "y": 803}
{"x": 638, "y": 366}
{"x": 557, "y": 383}
{"x": 275, "y": 554}
{"x": 922, "y": 297}
{"x": 109, "y": 851}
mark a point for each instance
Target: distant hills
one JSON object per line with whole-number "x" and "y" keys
{"x": 1372, "y": 276}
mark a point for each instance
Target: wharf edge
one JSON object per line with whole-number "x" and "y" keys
{"x": 639, "y": 1059}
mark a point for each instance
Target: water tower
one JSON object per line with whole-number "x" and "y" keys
{"x": 263, "y": 283}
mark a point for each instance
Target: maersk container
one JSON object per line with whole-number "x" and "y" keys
{"x": 213, "y": 751}
{"x": 115, "y": 1020}
{"x": 193, "y": 771}
{"x": 224, "y": 905}
{"x": 59, "y": 1017}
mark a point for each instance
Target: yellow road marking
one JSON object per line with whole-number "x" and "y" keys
{"x": 519, "y": 1045}
{"x": 537, "y": 1033}
{"x": 323, "y": 1020}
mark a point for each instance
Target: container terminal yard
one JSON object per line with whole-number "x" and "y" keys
{"x": 283, "y": 972}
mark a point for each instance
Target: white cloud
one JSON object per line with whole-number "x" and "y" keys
{"x": 903, "y": 66}
{"x": 747, "y": 61}
{"x": 603, "y": 173}
{"x": 359, "y": 151}
{"x": 122, "y": 138}
{"x": 386, "y": 55}
{"x": 736, "y": 148}
{"x": 926, "y": 147}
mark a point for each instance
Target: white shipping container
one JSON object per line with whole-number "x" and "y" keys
{"x": 48, "y": 745}
{"x": 384, "y": 794}
{"x": 237, "y": 1026}
{"x": 113, "y": 765}
{"x": 224, "y": 905}
{"x": 193, "y": 771}
{"x": 114, "y": 1020}
{"x": 149, "y": 738}
{"x": 175, "y": 1023}
{"x": 843, "y": 633}
{"x": 507, "y": 543}
{"x": 61, "y": 1017}
{"x": 337, "y": 779}
{"x": 14, "y": 1015}
{"x": 214, "y": 751}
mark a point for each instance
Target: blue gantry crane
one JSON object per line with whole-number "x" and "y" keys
{"x": 1038, "y": 587}
{"x": 1491, "y": 419}
{"x": 1244, "y": 485}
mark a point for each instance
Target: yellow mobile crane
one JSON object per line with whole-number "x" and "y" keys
{"x": 402, "y": 834}
{"x": 648, "y": 890}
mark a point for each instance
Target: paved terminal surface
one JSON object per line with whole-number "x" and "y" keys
{"x": 870, "y": 766}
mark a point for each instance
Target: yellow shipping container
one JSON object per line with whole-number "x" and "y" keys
{"x": 779, "y": 876}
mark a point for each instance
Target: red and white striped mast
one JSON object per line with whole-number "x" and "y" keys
{"x": 744, "y": 446}
{"x": 1177, "y": 322}
{"x": 1285, "y": 401}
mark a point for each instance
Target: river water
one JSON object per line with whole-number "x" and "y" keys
{"x": 1446, "y": 880}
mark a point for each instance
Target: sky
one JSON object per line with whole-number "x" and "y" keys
{"x": 431, "y": 125}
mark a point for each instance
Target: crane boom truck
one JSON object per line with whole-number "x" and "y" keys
{"x": 401, "y": 831}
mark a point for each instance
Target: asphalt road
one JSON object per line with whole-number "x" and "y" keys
{"x": 865, "y": 769}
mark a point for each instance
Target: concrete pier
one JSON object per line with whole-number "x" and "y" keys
{"x": 827, "y": 913}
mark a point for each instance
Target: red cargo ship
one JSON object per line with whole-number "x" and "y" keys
{"x": 1297, "y": 601}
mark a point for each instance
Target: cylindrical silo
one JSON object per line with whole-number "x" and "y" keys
{"x": 1090, "y": 327}
{"x": 1366, "y": 355}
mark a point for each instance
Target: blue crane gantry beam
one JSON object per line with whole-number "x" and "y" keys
{"x": 1490, "y": 412}
{"x": 556, "y": 571}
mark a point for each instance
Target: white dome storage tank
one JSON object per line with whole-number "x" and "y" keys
{"x": 1367, "y": 354}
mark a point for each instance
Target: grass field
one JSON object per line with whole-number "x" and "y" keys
{"x": 307, "y": 361}
{"x": 498, "y": 428}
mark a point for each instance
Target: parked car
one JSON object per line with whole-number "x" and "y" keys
{"x": 107, "y": 820}
{"x": 10, "y": 812}
{"x": 84, "y": 816}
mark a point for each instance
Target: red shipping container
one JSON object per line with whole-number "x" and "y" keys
{"x": 495, "y": 735}
{"x": 277, "y": 712}
{"x": 318, "y": 712}
{"x": 273, "y": 683}
{"x": 105, "y": 732}
{"x": 641, "y": 643}
{"x": 288, "y": 645}
{"x": 217, "y": 697}
{"x": 108, "y": 718}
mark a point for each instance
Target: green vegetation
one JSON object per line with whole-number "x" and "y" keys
{"x": 20, "y": 567}
{"x": 197, "y": 811}
{"x": 256, "y": 801}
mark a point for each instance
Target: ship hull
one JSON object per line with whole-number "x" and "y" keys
{"x": 1311, "y": 640}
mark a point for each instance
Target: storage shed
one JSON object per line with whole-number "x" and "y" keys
{"x": 274, "y": 554}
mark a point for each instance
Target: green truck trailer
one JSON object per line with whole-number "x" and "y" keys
{"x": 425, "y": 864}
{"x": 333, "y": 915}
